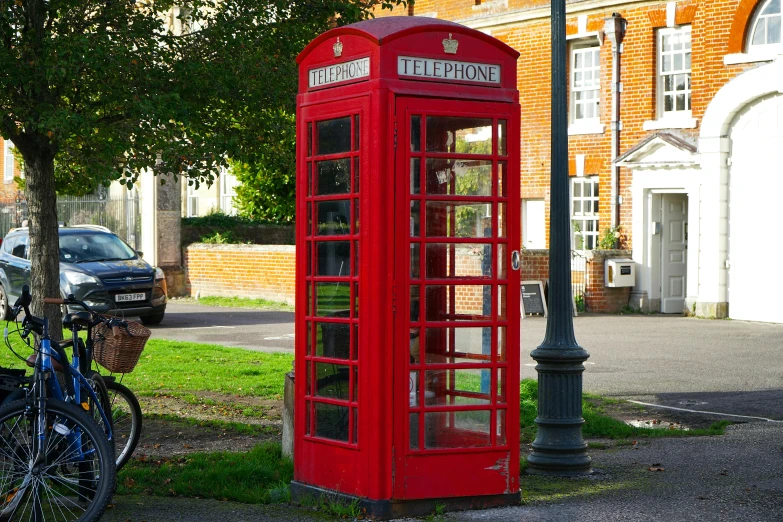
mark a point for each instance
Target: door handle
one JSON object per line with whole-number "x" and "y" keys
{"x": 515, "y": 260}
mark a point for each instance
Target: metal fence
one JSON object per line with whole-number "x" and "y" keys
{"x": 120, "y": 214}
{"x": 578, "y": 273}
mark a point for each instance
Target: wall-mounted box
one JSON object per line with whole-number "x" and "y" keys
{"x": 620, "y": 272}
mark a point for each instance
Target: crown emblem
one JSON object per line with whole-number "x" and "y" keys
{"x": 338, "y": 48}
{"x": 450, "y": 45}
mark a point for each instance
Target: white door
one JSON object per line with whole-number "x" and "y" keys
{"x": 533, "y": 224}
{"x": 756, "y": 187}
{"x": 674, "y": 252}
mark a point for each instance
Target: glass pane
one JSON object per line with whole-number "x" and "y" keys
{"x": 309, "y": 178}
{"x": 415, "y": 260}
{"x": 459, "y": 177}
{"x": 308, "y": 381}
{"x": 332, "y": 340}
{"x": 356, "y": 174}
{"x": 413, "y": 389}
{"x": 310, "y": 139}
{"x": 458, "y": 429}
{"x": 414, "y": 303}
{"x": 502, "y": 344}
{"x": 309, "y": 305}
{"x": 334, "y": 217}
{"x": 334, "y": 176}
{"x": 502, "y": 147}
{"x": 334, "y": 258}
{"x": 356, "y": 133}
{"x": 355, "y": 342}
{"x": 356, "y": 300}
{"x": 414, "y": 345}
{"x": 415, "y": 218}
{"x": 760, "y": 34}
{"x": 445, "y": 260}
{"x": 668, "y": 103}
{"x": 501, "y": 428}
{"x": 502, "y": 261}
{"x": 332, "y": 299}
{"x": 334, "y": 136}
{"x": 502, "y": 178}
{"x": 415, "y": 133}
{"x": 460, "y": 135}
{"x": 501, "y": 302}
{"x": 307, "y": 418}
{"x": 501, "y": 395}
{"x": 415, "y": 176}
{"x": 331, "y": 380}
{"x": 414, "y": 430}
{"x": 356, "y": 259}
{"x": 772, "y": 8}
{"x": 331, "y": 421}
{"x": 309, "y": 219}
{"x": 458, "y": 302}
{"x": 457, "y": 387}
{"x": 308, "y": 337}
{"x": 355, "y": 216}
{"x": 355, "y": 426}
{"x": 501, "y": 220}
{"x": 355, "y": 383}
{"x": 309, "y": 260}
{"x": 680, "y": 102}
{"x": 458, "y": 345}
{"x": 459, "y": 219}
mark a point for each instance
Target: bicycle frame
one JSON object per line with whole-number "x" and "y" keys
{"x": 44, "y": 368}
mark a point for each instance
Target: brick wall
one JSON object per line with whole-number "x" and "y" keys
{"x": 718, "y": 28}
{"x": 257, "y": 271}
{"x": 598, "y": 297}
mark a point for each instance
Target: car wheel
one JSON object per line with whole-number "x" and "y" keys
{"x": 5, "y": 309}
{"x": 152, "y": 320}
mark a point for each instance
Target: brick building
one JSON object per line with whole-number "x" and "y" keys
{"x": 8, "y": 188}
{"x": 698, "y": 144}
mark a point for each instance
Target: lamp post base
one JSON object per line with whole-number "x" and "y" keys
{"x": 559, "y": 448}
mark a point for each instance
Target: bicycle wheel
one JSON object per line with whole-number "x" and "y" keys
{"x": 98, "y": 385}
{"x": 64, "y": 474}
{"x": 126, "y": 419}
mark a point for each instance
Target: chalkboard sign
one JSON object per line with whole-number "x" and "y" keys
{"x": 533, "y": 300}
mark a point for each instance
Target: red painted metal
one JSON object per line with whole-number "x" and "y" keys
{"x": 360, "y": 427}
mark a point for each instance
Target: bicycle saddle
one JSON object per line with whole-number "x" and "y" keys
{"x": 55, "y": 363}
{"x": 80, "y": 318}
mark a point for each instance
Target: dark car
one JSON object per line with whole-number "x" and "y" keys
{"x": 96, "y": 266}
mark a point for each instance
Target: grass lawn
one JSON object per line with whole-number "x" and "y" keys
{"x": 236, "y": 302}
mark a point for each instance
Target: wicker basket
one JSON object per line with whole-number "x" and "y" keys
{"x": 119, "y": 355}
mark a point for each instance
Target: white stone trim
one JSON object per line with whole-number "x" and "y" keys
{"x": 586, "y": 127}
{"x": 671, "y": 14}
{"x": 758, "y": 55}
{"x": 672, "y": 121}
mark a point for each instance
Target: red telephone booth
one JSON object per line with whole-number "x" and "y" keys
{"x": 408, "y": 232}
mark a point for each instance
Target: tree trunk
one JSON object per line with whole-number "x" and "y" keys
{"x": 44, "y": 234}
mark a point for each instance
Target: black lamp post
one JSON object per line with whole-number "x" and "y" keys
{"x": 559, "y": 448}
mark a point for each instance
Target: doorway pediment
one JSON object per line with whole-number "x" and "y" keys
{"x": 660, "y": 150}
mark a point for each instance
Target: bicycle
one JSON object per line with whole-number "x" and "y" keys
{"x": 125, "y": 412}
{"x": 55, "y": 462}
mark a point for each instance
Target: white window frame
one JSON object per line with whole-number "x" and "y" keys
{"x": 228, "y": 183}
{"x": 593, "y": 51}
{"x": 191, "y": 201}
{"x": 763, "y": 19}
{"x": 675, "y": 118}
{"x": 584, "y": 210}
{"x": 8, "y": 161}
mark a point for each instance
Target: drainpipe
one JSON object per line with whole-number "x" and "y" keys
{"x": 614, "y": 29}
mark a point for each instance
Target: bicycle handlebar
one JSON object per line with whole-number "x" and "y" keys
{"x": 54, "y": 300}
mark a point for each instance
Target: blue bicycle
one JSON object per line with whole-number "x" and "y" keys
{"x": 56, "y": 463}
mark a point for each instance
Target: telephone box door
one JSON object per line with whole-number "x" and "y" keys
{"x": 456, "y": 373}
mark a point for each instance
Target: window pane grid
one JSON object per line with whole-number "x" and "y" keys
{"x": 585, "y": 83}
{"x": 584, "y": 212}
{"x": 674, "y": 69}
{"x": 767, "y": 25}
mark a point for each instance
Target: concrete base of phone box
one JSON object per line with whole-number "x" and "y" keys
{"x": 390, "y": 509}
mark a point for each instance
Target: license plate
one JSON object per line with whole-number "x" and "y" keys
{"x": 120, "y": 298}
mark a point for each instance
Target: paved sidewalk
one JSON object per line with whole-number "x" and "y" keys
{"x": 735, "y": 477}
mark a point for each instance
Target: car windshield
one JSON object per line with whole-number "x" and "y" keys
{"x": 86, "y": 248}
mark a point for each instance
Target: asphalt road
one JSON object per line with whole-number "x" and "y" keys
{"x": 731, "y": 367}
